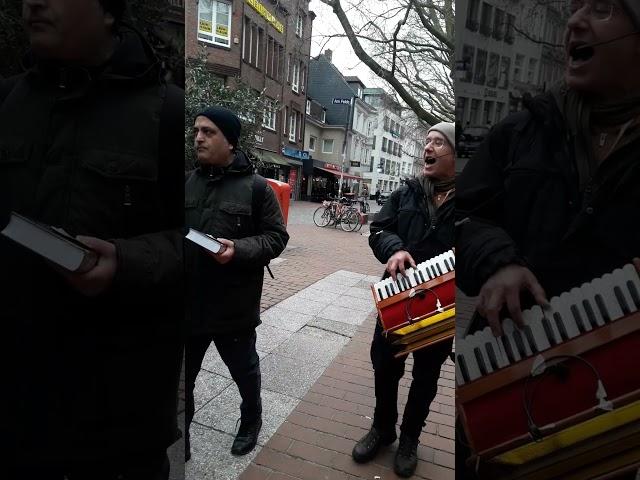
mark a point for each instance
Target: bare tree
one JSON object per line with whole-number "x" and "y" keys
{"x": 409, "y": 44}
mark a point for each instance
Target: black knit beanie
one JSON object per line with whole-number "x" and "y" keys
{"x": 226, "y": 121}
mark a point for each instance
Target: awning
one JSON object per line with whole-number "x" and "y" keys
{"x": 269, "y": 157}
{"x": 337, "y": 174}
{"x": 294, "y": 162}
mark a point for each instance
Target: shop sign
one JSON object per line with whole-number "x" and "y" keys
{"x": 355, "y": 164}
{"x": 342, "y": 101}
{"x": 266, "y": 14}
{"x": 294, "y": 153}
{"x": 222, "y": 30}
{"x": 331, "y": 166}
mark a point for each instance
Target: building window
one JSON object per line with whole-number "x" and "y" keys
{"x": 487, "y": 113}
{"x": 472, "y": 15}
{"x": 499, "y": 111}
{"x": 303, "y": 75}
{"x": 295, "y": 77}
{"x": 481, "y": 67}
{"x": 384, "y": 144}
{"x": 308, "y": 109}
{"x": 505, "y": 66}
{"x": 517, "y": 70}
{"x": 467, "y": 58}
{"x": 269, "y": 115}
{"x": 299, "y": 26}
{"x": 214, "y": 22}
{"x": 312, "y": 143}
{"x": 485, "y": 21}
{"x": 499, "y": 24}
{"x": 510, "y": 35}
{"x": 475, "y": 110}
{"x": 327, "y": 146}
{"x": 292, "y": 126}
{"x": 492, "y": 73}
{"x": 289, "y": 69}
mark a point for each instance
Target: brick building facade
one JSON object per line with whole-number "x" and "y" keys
{"x": 265, "y": 43}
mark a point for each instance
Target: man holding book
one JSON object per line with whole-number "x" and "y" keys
{"x": 87, "y": 144}
{"x": 225, "y": 199}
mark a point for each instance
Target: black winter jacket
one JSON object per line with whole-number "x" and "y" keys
{"x": 403, "y": 223}
{"x": 90, "y": 378}
{"x": 519, "y": 202}
{"x": 226, "y": 298}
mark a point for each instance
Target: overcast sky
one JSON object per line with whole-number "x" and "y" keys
{"x": 326, "y": 23}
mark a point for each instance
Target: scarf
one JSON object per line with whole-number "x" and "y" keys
{"x": 581, "y": 114}
{"x": 431, "y": 187}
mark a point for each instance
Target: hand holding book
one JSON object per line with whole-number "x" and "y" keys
{"x": 99, "y": 278}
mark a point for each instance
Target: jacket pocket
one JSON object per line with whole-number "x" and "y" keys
{"x": 122, "y": 189}
{"x": 237, "y": 217}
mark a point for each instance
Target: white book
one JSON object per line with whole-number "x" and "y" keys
{"x": 52, "y": 243}
{"x": 205, "y": 241}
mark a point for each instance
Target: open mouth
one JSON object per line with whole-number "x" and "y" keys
{"x": 429, "y": 160}
{"x": 580, "y": 53}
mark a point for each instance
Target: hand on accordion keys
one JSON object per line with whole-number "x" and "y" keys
{"x": 503, "y": 288}
{"x": 398, "y": 261}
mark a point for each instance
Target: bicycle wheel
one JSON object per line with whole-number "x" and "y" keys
{"x": 349, "y": 221}
{"x": 322, "y": 216}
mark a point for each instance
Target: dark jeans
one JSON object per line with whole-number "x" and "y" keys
{"x": 388, "y": 371}
{"x": 144, "y": 466}
{"x": 238, "y": 352}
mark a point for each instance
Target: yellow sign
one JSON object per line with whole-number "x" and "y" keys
{"x": 205, "y": 26}
{"x": 262, "y": 10}
{"x": 222, "y": 30}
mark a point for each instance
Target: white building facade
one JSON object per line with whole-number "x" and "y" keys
{"x": 505, "y": 48}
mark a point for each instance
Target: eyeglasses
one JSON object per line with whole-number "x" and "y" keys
{"x": 436, "y": 142}
{"x": 601, "y": 10}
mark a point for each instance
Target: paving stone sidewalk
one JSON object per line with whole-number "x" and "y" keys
{"x": 317, "y": 379}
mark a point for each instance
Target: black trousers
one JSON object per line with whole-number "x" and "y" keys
{"x": 142, "y": 466}
{"x": 238, "y": 352}
{"x": 387, "y": 373}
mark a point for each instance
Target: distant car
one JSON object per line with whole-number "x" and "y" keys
{"x": 383, "y": 197}
{"x": 471, "y": 139}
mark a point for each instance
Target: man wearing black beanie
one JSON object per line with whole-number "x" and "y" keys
{"x": 224, "y": 198}
{"x": 91, "y": 141}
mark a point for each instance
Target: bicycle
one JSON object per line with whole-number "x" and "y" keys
{"x": 334, "y": 212}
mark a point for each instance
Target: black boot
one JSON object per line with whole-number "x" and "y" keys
{"x": 406, "y": 457}
{"x": 247, "y": 436}
{"x": 368, "y": 446}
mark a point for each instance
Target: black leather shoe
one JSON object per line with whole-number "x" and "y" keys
{"x": 247, "y": 437}
{"x": 368, "y": 446}
{"x": 406, "y": 457}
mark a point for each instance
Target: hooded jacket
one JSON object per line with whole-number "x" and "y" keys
{"x": 225, "y": 299}
{"x": 93, "y": 378}
{"x": 519, "y": 201}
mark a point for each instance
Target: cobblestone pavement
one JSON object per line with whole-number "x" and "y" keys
{"x": 317, "y": 378}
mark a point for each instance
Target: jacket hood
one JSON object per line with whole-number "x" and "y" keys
{"x": 133, "y": 60}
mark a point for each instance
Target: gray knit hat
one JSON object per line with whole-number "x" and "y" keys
{"x": 633, "y": 9}
{"x": 448, "y": 130}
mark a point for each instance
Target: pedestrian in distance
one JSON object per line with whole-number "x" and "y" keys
{"x": 224, "y": 198}
{"x": 91, "y": 141}
{"x": 414, "y": 225}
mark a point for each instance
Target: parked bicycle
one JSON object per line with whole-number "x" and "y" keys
{"x": 337, "y": 212}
